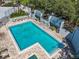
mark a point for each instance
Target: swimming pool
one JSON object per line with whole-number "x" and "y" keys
{"x": 33, "y": 57}
{"x": 28, "y": 33}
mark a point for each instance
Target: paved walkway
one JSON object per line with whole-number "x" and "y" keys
{"x": 63, "y": 32}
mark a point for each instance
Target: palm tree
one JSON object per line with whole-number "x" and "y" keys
{"x": 17, "y": 4}
{"x": 14, "y": 2}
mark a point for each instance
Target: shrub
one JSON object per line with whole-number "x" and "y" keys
{"x": 18, "y": 13}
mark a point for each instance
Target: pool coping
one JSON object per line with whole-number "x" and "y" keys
{"x": 33, "y": 54}
{"x": 17, "y": 47}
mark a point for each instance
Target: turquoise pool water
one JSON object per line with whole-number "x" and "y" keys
{"x": 33, "y": 57}
{"x": 27, "y": 34}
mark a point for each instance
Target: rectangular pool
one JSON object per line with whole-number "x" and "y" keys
{"x": 27, "y": 34}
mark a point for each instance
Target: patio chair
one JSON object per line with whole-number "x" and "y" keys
{"x": 37, "y": 14}
{"x": 56, "y": 22}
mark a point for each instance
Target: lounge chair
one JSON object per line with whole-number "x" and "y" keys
{"x": 4, "y": 50}
{"x": 7, "y": 56}
{"x": 3, "y": 55}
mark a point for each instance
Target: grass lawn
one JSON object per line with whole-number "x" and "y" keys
{"x": 18, "y": 13}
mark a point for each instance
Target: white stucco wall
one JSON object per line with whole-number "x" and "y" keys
{"x": 6, "y": 11}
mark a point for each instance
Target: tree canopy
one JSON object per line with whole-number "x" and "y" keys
{"x": 24, "y": 2}
{"x": 62, "y": 8}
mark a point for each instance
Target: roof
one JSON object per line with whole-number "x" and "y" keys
{"x": 74, "y": 38}
{"x": 56, "y": 21}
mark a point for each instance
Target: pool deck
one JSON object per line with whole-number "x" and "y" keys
{"x": 35, "y": 49}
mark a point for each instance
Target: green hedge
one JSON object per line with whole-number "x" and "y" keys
{"x": 18, "y": 13}
{"x": 10, "y": 4}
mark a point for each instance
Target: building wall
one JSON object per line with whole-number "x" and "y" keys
{"x": 5, "y": 19}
